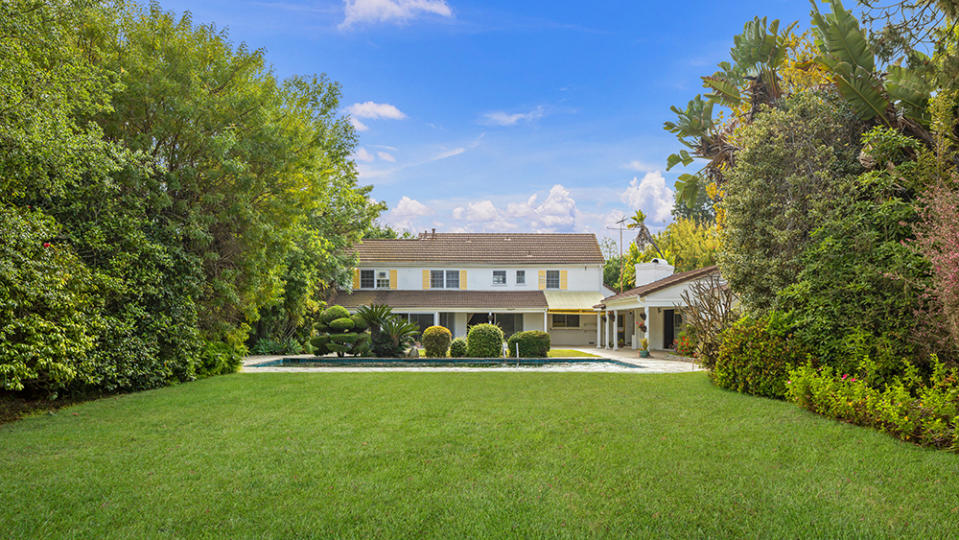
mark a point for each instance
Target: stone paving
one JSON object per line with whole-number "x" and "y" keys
{"x": 659, "y": 362}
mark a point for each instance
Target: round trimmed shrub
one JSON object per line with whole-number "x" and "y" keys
{"x": 359, "y": 323}
{"x": 458, "y": 348}
{"x": 339, "y": 348}
{"x": 345, "y": 338}
{"x": 756, "y": 355}
{"x": 532, "y": 344}
{"x": 333, "y": 313}
{"x": 341, "y": 324}
{"x": 436, "y": 341}
{"x": 485, "y": 341}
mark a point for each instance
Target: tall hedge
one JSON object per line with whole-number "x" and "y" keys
{"x": 484, "y": 341}
{"x": 756, "y": 356}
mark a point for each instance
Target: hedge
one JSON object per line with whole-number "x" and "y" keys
{"x": 756, "y": 355}
{"x": 532, "y": 344}
{"x": 485, "y": 341}
{"x": 436, "y": 341}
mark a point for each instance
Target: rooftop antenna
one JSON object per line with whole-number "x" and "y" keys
{"x": 622, "y": 261}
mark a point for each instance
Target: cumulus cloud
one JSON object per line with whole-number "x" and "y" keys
{"x": 639, "y": 166}
{"x": 357, "y": 125}
{"x": 380, "y": 11}
{"x": 650, "y": 195}
{"x": 386, "y": 157}
{"x": 373, "y": 110}
{"x": 557, "y": 212}
{"x": 405, "y": 212}
{"x": 363, "y": 155}
{"x": 502, "y": 118}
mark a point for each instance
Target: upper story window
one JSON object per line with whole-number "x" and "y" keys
{"x": 449, "y": 279}
{"x": 499, "y": 277}
{"x": 521, "y": 277}
{"x": 382, "y": 279}
{"x": 552, "y": 279}
{"x": 367, "y": 279}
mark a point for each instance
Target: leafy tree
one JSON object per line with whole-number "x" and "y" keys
{"x": 378, "y": 231}
{"x": 791, "y": 160}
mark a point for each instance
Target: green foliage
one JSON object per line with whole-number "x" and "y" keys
{"x": 860, "y": 283}
{"x": 791, "y": 161}
{"x": 343, "y": 323}
{"x": 436, "y": 341}
{"x": 484, "y": 341}
{"x": 685, "y": 344}
{"x": 269, "y": 346}
{"x": 920, "y": 410}
{"x": 359, "y": 323}
{"x": 394, "y": 338}
{"x": 756, "y": 355}
{"x": 458, "y": 348}
{"x": 333, "y": 313}
{"x": 532, "y": 344}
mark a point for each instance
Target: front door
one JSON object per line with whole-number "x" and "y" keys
{"x": 668, "y": 328}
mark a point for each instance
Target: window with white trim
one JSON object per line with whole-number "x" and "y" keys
{"x": 552, "y": 279}
{"x": 449, "y": 279}
{"x": 565, "y": 321}
{"x": 499, "y": 277}
{"x": 382, "y": 279}
{"x": 367, "y": 279}
{"x": 521, "y": 277}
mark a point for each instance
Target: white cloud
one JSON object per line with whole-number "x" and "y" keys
{"x": 448, "y": 154}
{"x": 386, "y": 157}
{"x": 379, "y": 11}
{"x": 362, "y": 155}
{"x": 651, "y": 196}
{"x": 557, "y": 212}
{"x": 502, "y": 118}
{"x": 405, "y": 211}
{"x": 357, "y": 125}
{"x": 373, "y": 110}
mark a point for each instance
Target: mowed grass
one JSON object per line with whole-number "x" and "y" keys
{"x": 463, "y": 455}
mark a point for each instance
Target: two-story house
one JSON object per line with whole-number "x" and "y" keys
{"x": 519, "y": 281}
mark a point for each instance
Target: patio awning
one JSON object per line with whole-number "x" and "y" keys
{"x": 572, "y": 302}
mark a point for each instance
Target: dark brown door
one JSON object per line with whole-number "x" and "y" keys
{"x": 669, "y": 328}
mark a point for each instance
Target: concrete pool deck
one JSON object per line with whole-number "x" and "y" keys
{"x": 658, "y": 362}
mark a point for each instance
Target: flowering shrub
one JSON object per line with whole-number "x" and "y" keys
{"x": 911, "y": 408}
{"x": 756, "y": 355}
{"x": 684, "y": 345}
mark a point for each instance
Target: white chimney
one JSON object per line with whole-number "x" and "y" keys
{"x": 651, "y": 271}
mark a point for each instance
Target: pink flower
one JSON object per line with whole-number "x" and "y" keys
{"x": 852, "y": 379}
{"x": 844, "y": 376}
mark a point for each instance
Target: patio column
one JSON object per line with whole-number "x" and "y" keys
{"x": 546, "y": 321}
{"x": 599, "y": 324}
{"x": 609, "y": 317}
{"x": 436, "y": 318}
{"x": 649, "y": 327}
{"x": 615, "y": 330}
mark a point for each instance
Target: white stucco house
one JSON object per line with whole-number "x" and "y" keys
{"x": 541, "y": 281}
{"x": 519, "y": 281}
{"x": 657, "y": 299}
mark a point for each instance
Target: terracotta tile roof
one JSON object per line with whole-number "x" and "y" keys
{"x": 443, "y": 299}
{"x": 661, "y": 284}
{"x": 491, "y": 248}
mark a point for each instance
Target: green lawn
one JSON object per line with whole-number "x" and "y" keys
{"x": 463, "y": 455}
{"x": 569, "y": 353}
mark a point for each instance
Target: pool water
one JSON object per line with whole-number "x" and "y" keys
{"x": 329, "y": 361}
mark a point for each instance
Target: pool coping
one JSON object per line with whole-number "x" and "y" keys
{"x": 478, "y": 363}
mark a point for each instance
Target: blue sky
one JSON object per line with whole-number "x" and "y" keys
{"x": 504, "y": 115}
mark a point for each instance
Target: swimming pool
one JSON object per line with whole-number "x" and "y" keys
{"x": 350, "y": 362}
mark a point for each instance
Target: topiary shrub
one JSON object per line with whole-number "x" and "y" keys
{"x": 436, "y": 341}
{"x": 485, "y": 341}
{"x": 532, "y": 344}
{"x": 359, "y": 323}
{"x": 343, "y": 323}
{"x": 458, "y": 348}
{"x": 333, "y": 313}
{"x": 344, "y": 338}
{"x": 756, "y": 355}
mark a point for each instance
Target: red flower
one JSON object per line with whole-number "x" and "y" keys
{"x": 46, "y": 244}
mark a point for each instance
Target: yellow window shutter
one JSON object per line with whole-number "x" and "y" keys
{"x": 356, "y": 278}
{"x": 462, "y": 279}
{"x": 542, "y": 280}
{"x": 426, "y": 279}
{"x": 393, "y": 279}
{"x": 563, "y": 274}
